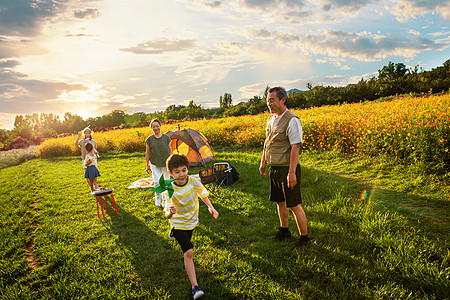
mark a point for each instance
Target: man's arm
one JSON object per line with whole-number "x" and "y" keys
{"x": 293, "y": 162}
{"x": 262, "y": 165}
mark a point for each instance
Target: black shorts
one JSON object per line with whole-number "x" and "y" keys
{"x": 183, "y": 238}
{"x": 279, "y": 191}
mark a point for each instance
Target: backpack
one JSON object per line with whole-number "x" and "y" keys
{"x": 226, "y": 173}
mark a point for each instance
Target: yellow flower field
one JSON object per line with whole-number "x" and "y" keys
{"x": 410, "y": 129}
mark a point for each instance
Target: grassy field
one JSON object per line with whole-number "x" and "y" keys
{"x": 378, "y": 233}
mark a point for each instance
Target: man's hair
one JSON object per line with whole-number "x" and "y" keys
{"x": 281, "y": 92}
{"x": 89, "y": 147}
{"x": 155, "y": 120}
{"x": 177, "y": 160}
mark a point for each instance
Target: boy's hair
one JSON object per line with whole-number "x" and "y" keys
{"x": 177, "y": 160}
{"x": 89, "y": 147}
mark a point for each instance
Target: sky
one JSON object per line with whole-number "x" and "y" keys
{"x": 90, "y": 57}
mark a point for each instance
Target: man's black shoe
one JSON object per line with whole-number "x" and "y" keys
{"x": 302, "y": 242}
{"x": 281, "y": 235}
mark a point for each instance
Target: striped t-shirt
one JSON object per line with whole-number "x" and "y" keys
{"x": 185, "y": 199}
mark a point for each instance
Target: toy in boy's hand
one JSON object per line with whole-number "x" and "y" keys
{"x": 164, "y": 185}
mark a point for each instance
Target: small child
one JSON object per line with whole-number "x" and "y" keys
{"x": 182, "y": 211}
{"x": 91, "y": 172}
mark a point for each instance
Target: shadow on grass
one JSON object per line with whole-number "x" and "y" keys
{"x": 340, "y": 258}
{"x": 150, "y": 253}
{"x": 157, "y": 260}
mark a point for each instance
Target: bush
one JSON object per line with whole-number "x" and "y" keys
{"x": 17, "y": 143}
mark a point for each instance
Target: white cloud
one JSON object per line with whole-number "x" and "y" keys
{"x": 366, "y": 46}
{"x": 407, "y": 9}
{"x": 160, "y": 46}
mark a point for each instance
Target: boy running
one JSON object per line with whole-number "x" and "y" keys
{"x": 182, "y": 211}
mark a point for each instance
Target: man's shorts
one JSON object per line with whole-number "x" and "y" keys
{"x": 279, "y": 191}
{"x": 183, "y": 238}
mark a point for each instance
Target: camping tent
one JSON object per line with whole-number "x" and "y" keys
{"x": 192, "y": 144}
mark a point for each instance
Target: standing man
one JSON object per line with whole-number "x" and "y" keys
{"x": 281, "y": 151}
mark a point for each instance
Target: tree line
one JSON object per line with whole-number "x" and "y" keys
{"x": 393, "y": 79}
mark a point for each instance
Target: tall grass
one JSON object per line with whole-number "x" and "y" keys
{"x": 17, "y": 156}
{"x": 362, "y": 248}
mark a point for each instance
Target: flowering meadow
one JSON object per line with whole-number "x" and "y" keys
{"x": 408, "y": 129}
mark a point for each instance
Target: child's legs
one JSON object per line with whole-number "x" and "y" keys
{"x": 90, "y": 182}
{"x": 183, "y": 238}
{"x": 94, "y": 183}
{"x": 189, "y": 266}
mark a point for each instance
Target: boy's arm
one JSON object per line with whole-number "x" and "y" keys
{"x": 211, "y": 208}
{"x": 169, "y": 213}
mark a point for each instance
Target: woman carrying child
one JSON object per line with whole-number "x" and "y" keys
{"x": 91, "y": 172}
{"x": 83, "y": 142}
{"x": 157, "y": 151}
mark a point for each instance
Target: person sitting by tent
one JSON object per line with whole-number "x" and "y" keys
{"x": 157, "y": 151}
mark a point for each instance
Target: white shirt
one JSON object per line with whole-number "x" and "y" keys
{"x": 294, "y": 131}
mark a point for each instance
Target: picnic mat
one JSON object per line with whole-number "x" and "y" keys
{"x": 142, "y": 183}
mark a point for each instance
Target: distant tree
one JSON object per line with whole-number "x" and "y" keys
{"x": 266, "y": 93}
{"x": 226, "y": 101}
{"x": 296, "y": 100}
{"x": 194, "y": 111}
{"x": 237, "y": 110}
{"x": 115, "y": 118}
{"x": 392, "y": 79}
{"x": 73, "y": 123}
{"x": 256, "y": 105}
{"x": 4, "y": 136}
{"x": 22, "y": 128}
{"x": 135, "y": 119}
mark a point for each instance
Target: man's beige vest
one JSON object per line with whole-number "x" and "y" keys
{"x": 277, "y": 148}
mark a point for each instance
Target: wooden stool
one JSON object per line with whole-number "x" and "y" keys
{"x": 99, "y": 194}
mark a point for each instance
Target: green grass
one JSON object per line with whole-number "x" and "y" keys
{"x": 391, "y": 245}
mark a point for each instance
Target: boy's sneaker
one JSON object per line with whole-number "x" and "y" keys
{"x": 281, "y": 235}
{"x": 197, "y": 292}
{"x": 171, "y": 237}
{"x": 302, "y": 242}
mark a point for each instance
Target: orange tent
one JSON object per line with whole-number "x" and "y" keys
{"x": 192, "y": 144}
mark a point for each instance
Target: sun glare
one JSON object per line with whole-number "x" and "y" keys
{"x": 87, "y": 111}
